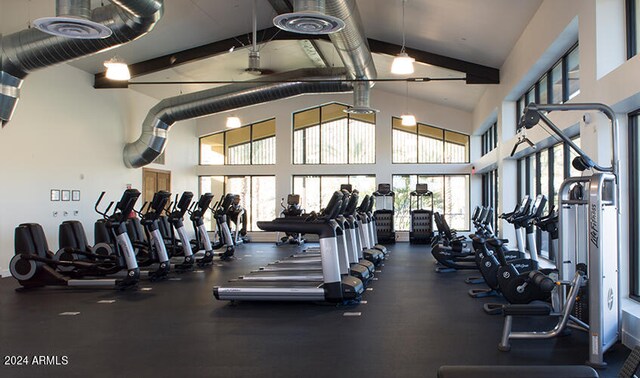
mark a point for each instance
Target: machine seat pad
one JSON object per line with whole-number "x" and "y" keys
{"x": 526, "y": 310}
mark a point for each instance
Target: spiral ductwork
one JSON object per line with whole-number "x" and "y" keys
{"x": 161, "y": 117}
{"x": 351, "y": 44}
{"x": 32, "y": 49}
{"x": 353, "y": 48}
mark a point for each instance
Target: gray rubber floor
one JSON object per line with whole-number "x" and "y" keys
{"x": 414, "y": 320}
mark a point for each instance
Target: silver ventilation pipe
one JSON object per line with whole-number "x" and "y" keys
{"x": 361, "y": 99}
{"x": 353, "y": 48}
{"x": 73, "y": 8}
{"x": 351, "y": 44}
{"x": 161, "y": 117}
{"x": 31, "y": 49}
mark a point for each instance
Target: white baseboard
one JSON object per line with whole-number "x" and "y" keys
{"x": 4, "y": 273}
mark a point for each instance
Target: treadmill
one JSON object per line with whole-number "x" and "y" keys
{"x": 309, "y": 268}
{"x": 370, "y": 253}
{"x": 332, "y": 288}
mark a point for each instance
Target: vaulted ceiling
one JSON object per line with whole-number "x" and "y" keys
{"x": 475, "y": 32}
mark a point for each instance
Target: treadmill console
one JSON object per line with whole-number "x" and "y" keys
{"x": 347, "y": 187}
{"x": 293, "y": 199}
{"x": 384, "y": 189}
{"x": 422, "y": 189}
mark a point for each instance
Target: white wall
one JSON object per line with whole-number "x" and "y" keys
{"x": 67, "y": 135}
{"x": 389, "y": 105}
{"x": 605, "y": 76}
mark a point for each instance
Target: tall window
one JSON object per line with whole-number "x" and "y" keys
{"x": 257, "y": 195}
{"x": 490, "y": 139}
{"x": 428, "y": 144}
{"x": 251, "y": 144}
{"x": 558, "y": 85}
{"x": 450, "y": 198}
{"x": 634, "y": 200}
{"x": 315, "y": 191}
{"x": 490, "y": 195}
{"x": 328, "y": 135}
{"x": 543, "y": 173}
{"x": 633, "y": 27}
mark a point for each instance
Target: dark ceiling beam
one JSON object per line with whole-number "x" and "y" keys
{"x": 475, "y": 73}
{"x": 281, "y": 6}
{"x": 194, "y": 54}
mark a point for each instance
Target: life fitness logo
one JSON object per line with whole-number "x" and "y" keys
{"x": 610, "y": 298}
{"x": 593, "y": 225}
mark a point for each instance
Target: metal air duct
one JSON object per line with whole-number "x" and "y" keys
{"x": 73, "y": 20}
{"x": 31, "y": 49}
{"x": 161, "y": 117}
{"x": 351, "y": 44}
{"x": 353, "y": 48}
{"x": 361, "y": 99}
{"x": 309, "y": 17}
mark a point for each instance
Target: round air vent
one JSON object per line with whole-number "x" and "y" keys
{"x": 308, "y": 23}
{"x": 72, "y": 27}
{"x": 360, "y": 110}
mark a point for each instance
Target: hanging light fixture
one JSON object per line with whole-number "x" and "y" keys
{"x": 117, "y": 69}
{"x": 402, "y": 63}
{"x": 233, "y": 122}
{"x": 407, "y": 118}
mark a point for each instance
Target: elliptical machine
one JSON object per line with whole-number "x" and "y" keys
{"x": 237, "y": 215}
{"x": 35, "y": 266}
{"x": 384, "y": 214}
{"x": 421, "y": 227}
{"x": 202, "y": 241}
{"x": 292, "y": 210}
{"x": 180, "y": 246}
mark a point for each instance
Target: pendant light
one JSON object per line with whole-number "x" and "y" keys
{"x": 117, "y": 69}
{"x": 233, "y": 122}
{"x": 402, "y": 63}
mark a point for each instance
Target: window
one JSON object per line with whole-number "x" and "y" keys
{"x": 557, "y": 78}
{"x": 634, "y": 200}
{"x": 556, "y": 86}
{"x": 257, "y": 195}
{"x": 252, "y": 144}
{"x": 328, "y": 135}
{"x": 450, "y": 198}
{"x": 428, "y": 144}
{"x": 490, "y": 139}
{"x": 490, "y": 195}
{"x": 315, "y": 191}
{"x": 543, "y": 173}
{"x": 543, "y": 90}
{"x": 573, "y": 73}
{"x": 633, "y": 27}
